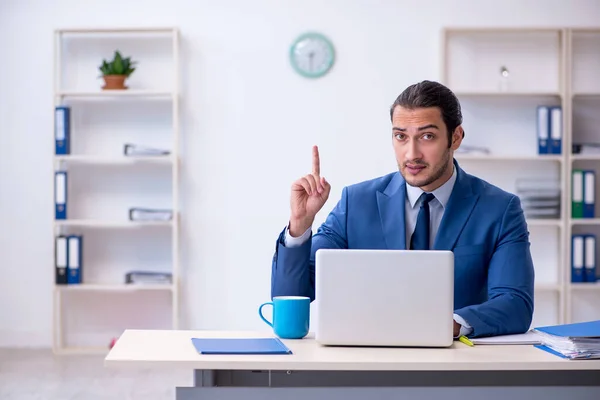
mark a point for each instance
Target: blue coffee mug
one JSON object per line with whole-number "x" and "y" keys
{"x": 291, "y": 316}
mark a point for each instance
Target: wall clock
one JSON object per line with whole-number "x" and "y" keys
{"x": 312, "y": 55}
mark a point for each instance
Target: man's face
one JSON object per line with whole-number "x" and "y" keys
{"x": 420, "y": 142}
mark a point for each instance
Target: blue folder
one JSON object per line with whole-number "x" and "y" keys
{"x": 240, "y": 346}
{"x": 578, "y": 330}
{"x": 578, "y": 341}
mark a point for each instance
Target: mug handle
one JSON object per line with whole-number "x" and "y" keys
{"x": 260, "y": 314}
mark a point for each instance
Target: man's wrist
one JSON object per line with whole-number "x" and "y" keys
{"x": 464, "y": 328}
{"x": 297, "y": 227}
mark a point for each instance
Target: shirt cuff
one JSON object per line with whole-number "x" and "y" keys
{"x": 291, "y": 241}
{"x": 465, "y": 328}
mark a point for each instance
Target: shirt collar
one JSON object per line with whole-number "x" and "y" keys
{"x": 442, "y": 194}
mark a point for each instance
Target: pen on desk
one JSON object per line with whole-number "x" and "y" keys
{"x": 465, "y": 341}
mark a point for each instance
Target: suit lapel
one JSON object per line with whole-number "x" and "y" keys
{"x": 457, "y": 212}
{"x": 391, "y": 213}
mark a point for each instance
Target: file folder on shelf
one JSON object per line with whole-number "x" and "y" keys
{"x": 240, "y": 346}
{"x": 60, "y": 194}
{"x": 577, "y": 194}
{"x": 571, "y": 341}
{"x": 589, "y": 193}
{"x": 555, "y": 146}
{"x": 62, "y": 130}
{"x": 590, "y": 258}
{"x": 60, "y": 262}
{"x": 543, "y": 129}
{"x": 577, "y": 259}
{"x": 74, "y": 254}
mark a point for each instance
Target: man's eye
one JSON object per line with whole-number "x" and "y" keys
{"x": 399, "y": 136}
{"x": 428, "y": 136}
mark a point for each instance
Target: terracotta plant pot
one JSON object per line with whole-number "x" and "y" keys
{"x": 114, "y": 82}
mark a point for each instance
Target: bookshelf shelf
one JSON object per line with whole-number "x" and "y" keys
{"x": 507, "y": 94}
{"x": 547, "y": 287}
{"x": 117, "y": 94}
{"x": 90, "y": 223}
{"x": 502, "y": 158}
{"x": 117, "y": 31}
{"x": 585, "y": 286}
{"x": 544, "y": 222}
{"x": 586, "y": 94}
{"x": 101, "y": 184}
{"x": 115, "y": 160}
{"x": 585, "y": 157}
{"x": 585, "y": 221}
{"x": 91, "y": 287}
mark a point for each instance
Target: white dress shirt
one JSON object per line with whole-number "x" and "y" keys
{"x": 411, "y": 211}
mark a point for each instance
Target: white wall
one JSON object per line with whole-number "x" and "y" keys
{"x": 248, "y": 124}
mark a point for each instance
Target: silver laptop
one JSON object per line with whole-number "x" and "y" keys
{"x": 384, "y": 297}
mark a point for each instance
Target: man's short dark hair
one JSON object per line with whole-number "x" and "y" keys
{"x": 432, "y": 94}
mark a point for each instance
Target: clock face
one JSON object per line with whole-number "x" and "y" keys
{"x": 312, "y": 55}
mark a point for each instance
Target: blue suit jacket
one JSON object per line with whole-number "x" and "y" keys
{"x": 483, "y": 225}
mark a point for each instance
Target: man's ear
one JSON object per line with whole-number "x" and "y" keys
{"x": 457, "y": 137}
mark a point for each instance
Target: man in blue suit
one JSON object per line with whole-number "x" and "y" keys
{"x": 430, "y": 203}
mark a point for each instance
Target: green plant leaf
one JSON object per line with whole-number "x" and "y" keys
{"x": 119, "y": 65}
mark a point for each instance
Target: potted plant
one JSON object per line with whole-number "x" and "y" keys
{"x": 116, "y": 71}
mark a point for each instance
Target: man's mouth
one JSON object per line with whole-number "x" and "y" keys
{"x": 414, "y": 168}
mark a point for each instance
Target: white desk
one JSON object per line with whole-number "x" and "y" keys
{"x": 314, "y": 371}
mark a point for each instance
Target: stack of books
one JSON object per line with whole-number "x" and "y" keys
{"x": 572, "y": 341}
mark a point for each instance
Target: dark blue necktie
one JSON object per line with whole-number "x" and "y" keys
{"x": 420, "y": 237}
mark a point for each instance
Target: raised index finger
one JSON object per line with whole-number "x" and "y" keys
{"x": 316, "y": 168}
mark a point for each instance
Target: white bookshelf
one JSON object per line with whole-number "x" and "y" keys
{"x": 550, "y": 66}
{"x": 103, "y": 184}
{"x": 583, "y": 105}
{"x": 500, "y": 114}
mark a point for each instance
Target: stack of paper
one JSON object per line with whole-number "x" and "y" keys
{"x": 529, "y": 337}
{"x": 149, "y": 214}
{"x": 138, "y": 150}
{"x": 540, "y": 198}
{"x": 571, "y": 341}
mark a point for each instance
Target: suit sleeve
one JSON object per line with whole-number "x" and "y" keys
{"x": 293, "y": 268}
{"x": 509, "y": 308}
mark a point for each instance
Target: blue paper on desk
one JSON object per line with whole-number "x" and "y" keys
{"x": 240, "y": 346}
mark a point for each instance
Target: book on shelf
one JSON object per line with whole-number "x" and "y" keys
{"x": 583, "y": 258}
{"x": 60, "y": 195}
{"x": 68, "y": 261}
{"x": 549, "y": 129}
{"x": 583, "y": 193}
{"x": 62, "y": 130}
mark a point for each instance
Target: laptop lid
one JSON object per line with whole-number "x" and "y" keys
{"x": 384, "y": 297}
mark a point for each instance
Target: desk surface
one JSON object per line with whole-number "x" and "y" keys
{"x": 165, "y": 348}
